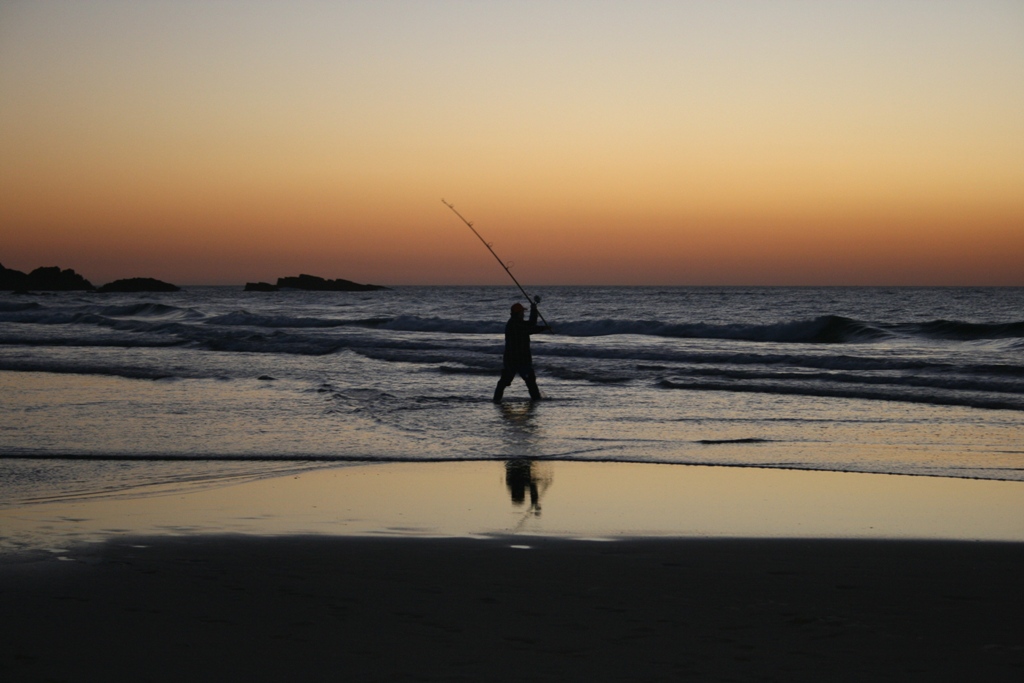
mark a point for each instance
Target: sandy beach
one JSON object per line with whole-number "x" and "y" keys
{"x": 314, "y": 608}
{"x": 616, "y": 572}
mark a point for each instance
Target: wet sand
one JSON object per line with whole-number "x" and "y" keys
{"x": 536, "y": 498}
{"x": 216, "y": 608}
{"x": 519, "y": 571}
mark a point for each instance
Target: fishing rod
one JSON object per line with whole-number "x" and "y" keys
{"x": 488, "y": 245}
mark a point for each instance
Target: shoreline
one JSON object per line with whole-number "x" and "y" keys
{"x": 507, "y": 608}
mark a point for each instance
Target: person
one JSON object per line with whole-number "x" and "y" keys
{"x": 517, "y": 358}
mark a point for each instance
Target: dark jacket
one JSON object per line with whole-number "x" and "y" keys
{"x": 517, "y": 340}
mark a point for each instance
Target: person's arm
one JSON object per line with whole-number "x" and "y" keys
{"x": 534, "y": 327}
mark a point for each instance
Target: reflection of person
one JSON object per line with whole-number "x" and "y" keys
{"x": 517, "y": 358}
{"x": 519, "y": 476}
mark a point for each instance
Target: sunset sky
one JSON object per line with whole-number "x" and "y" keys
{"x": 592, "y": 142}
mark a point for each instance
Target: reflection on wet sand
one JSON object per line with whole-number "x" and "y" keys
{"x": 522, "y": 474}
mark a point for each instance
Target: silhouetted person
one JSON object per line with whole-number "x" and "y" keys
{"x": 517, "y": 359}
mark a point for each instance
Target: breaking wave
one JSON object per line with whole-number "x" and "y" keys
{"x": 941, "y": 361}
{"x": 826, "y": 329}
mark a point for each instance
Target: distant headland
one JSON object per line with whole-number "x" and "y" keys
{"x": 48, "y": 279}
{"x": 55, "y": 279}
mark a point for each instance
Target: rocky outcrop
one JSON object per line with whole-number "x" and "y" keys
{"x": 260, "y": 287}
{"x": 11, "y": 280}
{"x": 319, "y": 284}
{"x": 48, "y": 279}
{"x": 139, "y": 284}
{"x": 311, "y": 283}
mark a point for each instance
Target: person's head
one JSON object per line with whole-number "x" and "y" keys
{"x": 518, "y": 310}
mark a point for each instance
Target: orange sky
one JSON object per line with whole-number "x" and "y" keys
{"x": 592, "y": 142}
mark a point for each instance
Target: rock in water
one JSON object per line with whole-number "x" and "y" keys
{"x": 47, "y": 279}
{"x": 260, "y": 287}
{"x": 319, "y": 284}
{"x": 139, "y": 284}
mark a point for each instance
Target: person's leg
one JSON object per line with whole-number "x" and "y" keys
{"x": 531, "y": 383}
{"x": 503, "y": 381}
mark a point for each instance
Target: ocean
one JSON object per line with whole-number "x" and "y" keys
{"x": 109, "y": 392}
